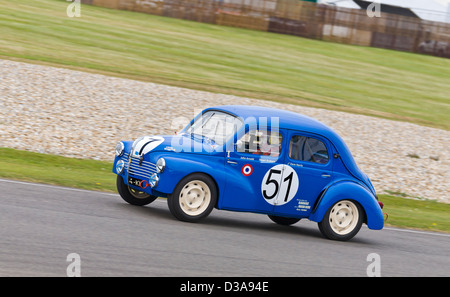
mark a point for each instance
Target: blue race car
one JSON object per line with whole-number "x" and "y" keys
{"x": 251, "y": 159}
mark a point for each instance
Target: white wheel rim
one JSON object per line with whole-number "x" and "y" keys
{"x": 195, "y": 197}
{"x": 344, "y": 217}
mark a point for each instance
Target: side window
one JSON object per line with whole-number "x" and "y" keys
{"x": 260, "y": 142}
{"x": 308, "y": 149}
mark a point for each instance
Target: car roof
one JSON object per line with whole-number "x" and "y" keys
{"x": 295, "y": 121}
{"x": 287, "y": 119}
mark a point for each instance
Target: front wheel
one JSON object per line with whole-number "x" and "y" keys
{"x": 131, "y": 195}
{"x": 193, "y": 198}
{"x": 342, "y": 221}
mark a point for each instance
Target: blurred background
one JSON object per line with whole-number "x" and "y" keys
{"x": 415, "y": 26}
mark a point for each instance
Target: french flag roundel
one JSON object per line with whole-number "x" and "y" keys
{"x": 247, "y": 170}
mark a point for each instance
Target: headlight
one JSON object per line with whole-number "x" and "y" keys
{"x": 160, "y": 165}
{"x": 120, "y": 165}
{"x": 154, "y": 179}
{"x": 119, "y": 149}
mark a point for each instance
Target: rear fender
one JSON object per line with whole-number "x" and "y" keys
{"x": 347, "y": 190}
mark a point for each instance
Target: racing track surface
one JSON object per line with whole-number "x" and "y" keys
{"x": 41, "y": 225}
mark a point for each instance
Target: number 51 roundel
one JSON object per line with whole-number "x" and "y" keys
{"x": 279, "y": 185}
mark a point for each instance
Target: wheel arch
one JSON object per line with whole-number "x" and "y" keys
{"x": 216, "y": 185}
{"x": 181, "y": 166}
{"x": 348, "y": 190}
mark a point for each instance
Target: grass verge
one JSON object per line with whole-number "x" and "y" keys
{"x": 57, "y": 170}
{"x": 97, "y": 175}
{"x": 385, "y": 83}
{"x": 416, "y": 214}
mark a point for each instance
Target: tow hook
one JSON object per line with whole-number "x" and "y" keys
{"x": 386, "y": 216}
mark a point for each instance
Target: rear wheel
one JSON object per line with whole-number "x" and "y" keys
{"x": 193, "y": 198}
{"x": 131, "y": 195}
{"x": 342, "y": 221}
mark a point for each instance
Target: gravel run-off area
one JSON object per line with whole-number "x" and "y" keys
{"x": 64, "y": 112}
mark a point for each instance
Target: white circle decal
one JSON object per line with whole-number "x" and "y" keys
{"x": 279, "y": 185}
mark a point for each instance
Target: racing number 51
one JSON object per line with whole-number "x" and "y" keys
{"x": 274, "y": 181}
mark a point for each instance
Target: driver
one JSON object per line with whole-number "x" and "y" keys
{"x": 270, "y": 145}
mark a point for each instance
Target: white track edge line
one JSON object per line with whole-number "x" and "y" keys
{"x": 111, "y": 194}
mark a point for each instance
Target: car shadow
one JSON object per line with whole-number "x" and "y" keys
{"x": 241, "y": 222}
{"x": 261, "y": 223}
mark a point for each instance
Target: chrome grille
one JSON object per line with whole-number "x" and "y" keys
{"x": 143, "y": 171}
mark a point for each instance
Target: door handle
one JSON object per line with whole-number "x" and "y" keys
{"x": 326, "y": 175}
{"x": 231, "y": 162}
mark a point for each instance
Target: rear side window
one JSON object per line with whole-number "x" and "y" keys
{"x": 308, "y": 149}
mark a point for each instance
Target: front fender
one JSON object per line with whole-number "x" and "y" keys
{"x": 347, "y": 190}
{"x": 180, "y": 166}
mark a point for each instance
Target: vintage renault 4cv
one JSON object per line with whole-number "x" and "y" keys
{"x": 251, "y": 159}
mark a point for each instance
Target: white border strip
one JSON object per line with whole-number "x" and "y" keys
{"x": 62, "y": 188}
{"x": 416, "y": 231}
{"x": 53, "y": 187}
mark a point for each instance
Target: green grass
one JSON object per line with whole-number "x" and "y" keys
{"x": 384, "y": 83}
{"x": 416, "y": 214}
{"x": 57, "y": 170}
{"x": 97, "y": 175}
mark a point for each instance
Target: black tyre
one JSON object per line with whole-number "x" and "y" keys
{"x": 342, "y": 221}
{"x": 283, "y": 221}
{"x": 193, "y": 198}
{"x": 131, "y": 195}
